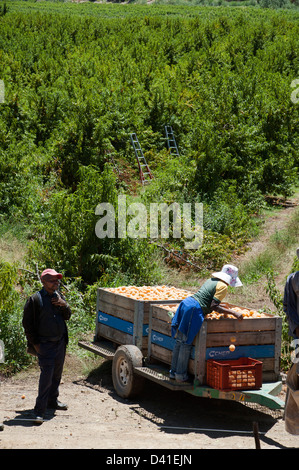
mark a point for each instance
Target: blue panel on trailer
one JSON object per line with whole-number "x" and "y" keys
{"x": 145, "y": 330}
{"x": 114, "y": 322}
{"x": 166, "y": 342}
{"x": 119, "y": 324}
{"x": 219, "y": 353}
{"x": 253, "y": 351}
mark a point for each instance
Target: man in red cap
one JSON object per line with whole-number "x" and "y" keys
{"x": 45, "y": 328}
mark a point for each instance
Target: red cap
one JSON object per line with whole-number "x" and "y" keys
{"x": 51, "y": 272}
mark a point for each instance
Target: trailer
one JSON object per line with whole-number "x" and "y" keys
{"x": 136, "y": 335}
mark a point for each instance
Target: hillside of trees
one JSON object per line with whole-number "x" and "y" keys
{"x": 80, "y": 78}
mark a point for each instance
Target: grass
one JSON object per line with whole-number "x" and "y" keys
{"x": 275, "y": 256}
{"x": 13, "y": 242}
{"x": 279, "y": 252}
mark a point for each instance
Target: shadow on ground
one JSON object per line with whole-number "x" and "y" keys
{"x": 178, "y": 412}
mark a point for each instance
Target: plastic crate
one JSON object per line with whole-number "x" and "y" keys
{"x": 240, "y": 374}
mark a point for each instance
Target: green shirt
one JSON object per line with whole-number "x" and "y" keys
{"x": 212, "y": 289}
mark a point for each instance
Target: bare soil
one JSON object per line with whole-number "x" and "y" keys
{"x": 158, "y": 419}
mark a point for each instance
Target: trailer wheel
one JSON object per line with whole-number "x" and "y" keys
{"x": 125, "y": 383}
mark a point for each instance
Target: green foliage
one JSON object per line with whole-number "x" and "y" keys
{"x": 66, "y": 237}
{"x": 11, "y": 331}
{"x": 274, "y": 254}
{"x": 7, "y": 279}
{"x": 295, "y": 266}
{"x": 214, "y": 252}
{"x": 78, "y": 85}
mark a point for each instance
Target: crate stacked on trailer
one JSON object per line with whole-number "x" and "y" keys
{"x": 123, "y": 312}
{"x": 257, "y": 336}
{"x": 133, "y": 329}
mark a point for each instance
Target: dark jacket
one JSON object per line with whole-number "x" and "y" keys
{"x": 42, "y": 321}
{"x": 291, "y": 302}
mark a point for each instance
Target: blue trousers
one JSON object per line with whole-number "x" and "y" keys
{"x": 180, "y": 358}
{"x": 51, "y": 360}
{"x": 184, "y": 327}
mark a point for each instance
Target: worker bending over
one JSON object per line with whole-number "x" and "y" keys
{"x": 190, "y": 315}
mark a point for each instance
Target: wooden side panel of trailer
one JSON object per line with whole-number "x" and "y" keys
{"x": 258, "y": 338}
{"x": 124, "y": 320}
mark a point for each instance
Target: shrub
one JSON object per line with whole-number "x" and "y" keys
{"x": 11, "y": 330}
{"x": 66, "y": 237}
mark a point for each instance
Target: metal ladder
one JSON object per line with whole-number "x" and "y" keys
{"x": 171, "y": 143}
{"x": 144, "y": 171}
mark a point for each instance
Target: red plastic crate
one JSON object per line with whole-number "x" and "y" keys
{"x": 240, "y": 374}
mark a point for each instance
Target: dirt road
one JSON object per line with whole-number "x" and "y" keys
{"x": 159, "y": 419}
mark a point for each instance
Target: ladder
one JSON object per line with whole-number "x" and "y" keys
{"x": 171, "y": 143}
{"x": 144, "y": 171}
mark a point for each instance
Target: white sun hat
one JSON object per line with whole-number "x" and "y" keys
{"x": 229, "y": 274}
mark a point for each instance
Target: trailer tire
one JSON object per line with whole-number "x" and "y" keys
{"x": 125, "y": 382}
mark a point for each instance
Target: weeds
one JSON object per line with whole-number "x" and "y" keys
{"x": 277, "y": 299}
{"x": 279, "y": 245}
{"x": 11, "y": 330}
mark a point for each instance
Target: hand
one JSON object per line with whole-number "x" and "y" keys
{"x": 227, "y": 311}
{"x": 37, "y": 348}
{"x": 58, "y": 301}
{"x": 238, "y": 315}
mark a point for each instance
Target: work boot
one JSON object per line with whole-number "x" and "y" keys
{"x": 57, "y": 405}
{"x": 38, "y": 418}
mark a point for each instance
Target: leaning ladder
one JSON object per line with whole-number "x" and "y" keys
{"x": 171, "y": 143}
{"x": 144, "y": 171}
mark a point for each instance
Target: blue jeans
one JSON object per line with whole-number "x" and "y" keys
{"x": 51, "y": 360}
{"x": 180, "y": 358}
